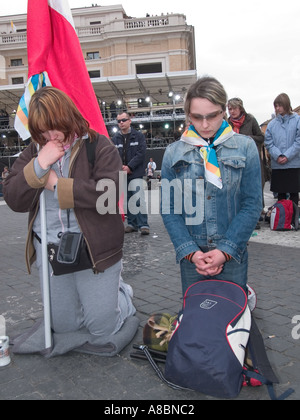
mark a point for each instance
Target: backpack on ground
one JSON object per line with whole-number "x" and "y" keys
{"x": 207, "y": 351}
{"x": 209, "y": 343}
{"x": 284, "y": 216}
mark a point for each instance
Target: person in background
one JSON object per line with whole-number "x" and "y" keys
{"x": 152, "y": 164}
{"x": 211, "y": 219}
{"x": 113, "y": 112}
{"x": 151, "y": 167}
{"x": 56, "y": 162}
{"x": 5, "y": 172}
{"x": 282, "y": 140}
{"x": 131, "y": 145}
{"x": 244, "y": 123}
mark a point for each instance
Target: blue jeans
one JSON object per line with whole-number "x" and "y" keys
{"x": 233, "y": 271}
{"x": 140, "y": 219}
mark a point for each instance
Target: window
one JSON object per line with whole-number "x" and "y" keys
{"x": 98, "y": 22}
{"x": 94, "y": 73}
{"x": 93, "y": 55}
{"x": 14, "y": 62}
{"x": 149, "y": 68}
{"x": 17, "y": 80}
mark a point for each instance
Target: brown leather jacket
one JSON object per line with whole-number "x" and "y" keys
{"x": 104, "y": 234}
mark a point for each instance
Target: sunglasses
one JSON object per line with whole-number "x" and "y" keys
{"x": 208, "y": 117}
{"x": 122, "y": 120}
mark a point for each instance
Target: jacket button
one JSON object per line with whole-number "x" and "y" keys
{"x": 209, "y": 197}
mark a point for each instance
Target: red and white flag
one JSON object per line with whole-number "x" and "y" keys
{"x": 55, "y": 58}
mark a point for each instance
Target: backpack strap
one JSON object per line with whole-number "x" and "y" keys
{"x": 262, "y": 371}
{"x": 258, "y": 354}
{"x": 296, "y": 216}
{"x": 91, "y": 150}
{"x": 159, "y": 373}
{"x": 255, "y": 375}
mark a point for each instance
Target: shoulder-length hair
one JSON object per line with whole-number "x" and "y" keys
{"x": 284, "y": 101}
{"x": 237, "y": 103}
{"x": 51, "y": 109}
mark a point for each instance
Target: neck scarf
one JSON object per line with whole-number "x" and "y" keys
{"x": 237, "y": 123}
{"x": 207, "y": 151}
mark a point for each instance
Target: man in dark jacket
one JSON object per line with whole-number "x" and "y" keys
{"x": 131, "y": 145}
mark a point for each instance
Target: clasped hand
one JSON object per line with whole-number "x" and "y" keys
{"x": 282, "y": 160}
{"x": 210, "y": 263}
{"x": 51, "y": 153}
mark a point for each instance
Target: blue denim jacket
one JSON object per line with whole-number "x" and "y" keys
{"x": 222, "y": 218}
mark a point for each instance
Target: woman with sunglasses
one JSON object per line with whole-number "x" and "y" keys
{"x": 211, "y": 190}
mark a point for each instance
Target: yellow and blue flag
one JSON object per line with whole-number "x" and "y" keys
{"x": 21, "y": 120}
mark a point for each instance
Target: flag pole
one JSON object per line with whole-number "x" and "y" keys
{"x": 45, "y": 266}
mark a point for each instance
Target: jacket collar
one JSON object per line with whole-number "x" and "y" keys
{"x": 183, "y": 149}
{"x": 286, "y": 117}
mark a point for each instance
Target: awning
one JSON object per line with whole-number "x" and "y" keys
{"x": 126, "y": 88}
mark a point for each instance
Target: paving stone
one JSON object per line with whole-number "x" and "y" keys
{"x": 151, "y": 269}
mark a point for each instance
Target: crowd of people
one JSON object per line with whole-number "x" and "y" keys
{"x": 220, "y": 156}
{"x": 6, "y": 151}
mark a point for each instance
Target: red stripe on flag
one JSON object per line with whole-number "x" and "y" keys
{"x": 53, "y": 46}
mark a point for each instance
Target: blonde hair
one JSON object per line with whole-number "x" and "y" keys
{"x": 52, "y": 109}
{"x": 208, "y": 88}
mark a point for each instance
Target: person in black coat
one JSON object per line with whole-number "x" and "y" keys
{"x": 131, "y": 145}
{"x": 244, "y": 123}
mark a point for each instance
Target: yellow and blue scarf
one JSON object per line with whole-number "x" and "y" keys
{"x": 207, "y": 151}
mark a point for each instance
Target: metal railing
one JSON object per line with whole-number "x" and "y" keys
{"x": 147, "y": 22}
{"x": 127, "y": 24}
{"x": 13, "y": 38}
{"x": 96, "y": 30}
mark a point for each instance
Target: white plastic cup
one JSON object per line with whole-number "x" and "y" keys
{"x": 4, "y": 351}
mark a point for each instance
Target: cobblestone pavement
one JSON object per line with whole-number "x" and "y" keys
{"x": 149, "y": 266}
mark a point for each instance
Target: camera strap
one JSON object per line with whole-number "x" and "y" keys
{"x": 68, "y": 218}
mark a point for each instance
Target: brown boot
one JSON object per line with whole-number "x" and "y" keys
{"x": 145, "y": 231}
{"x": 130, "y": 229}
